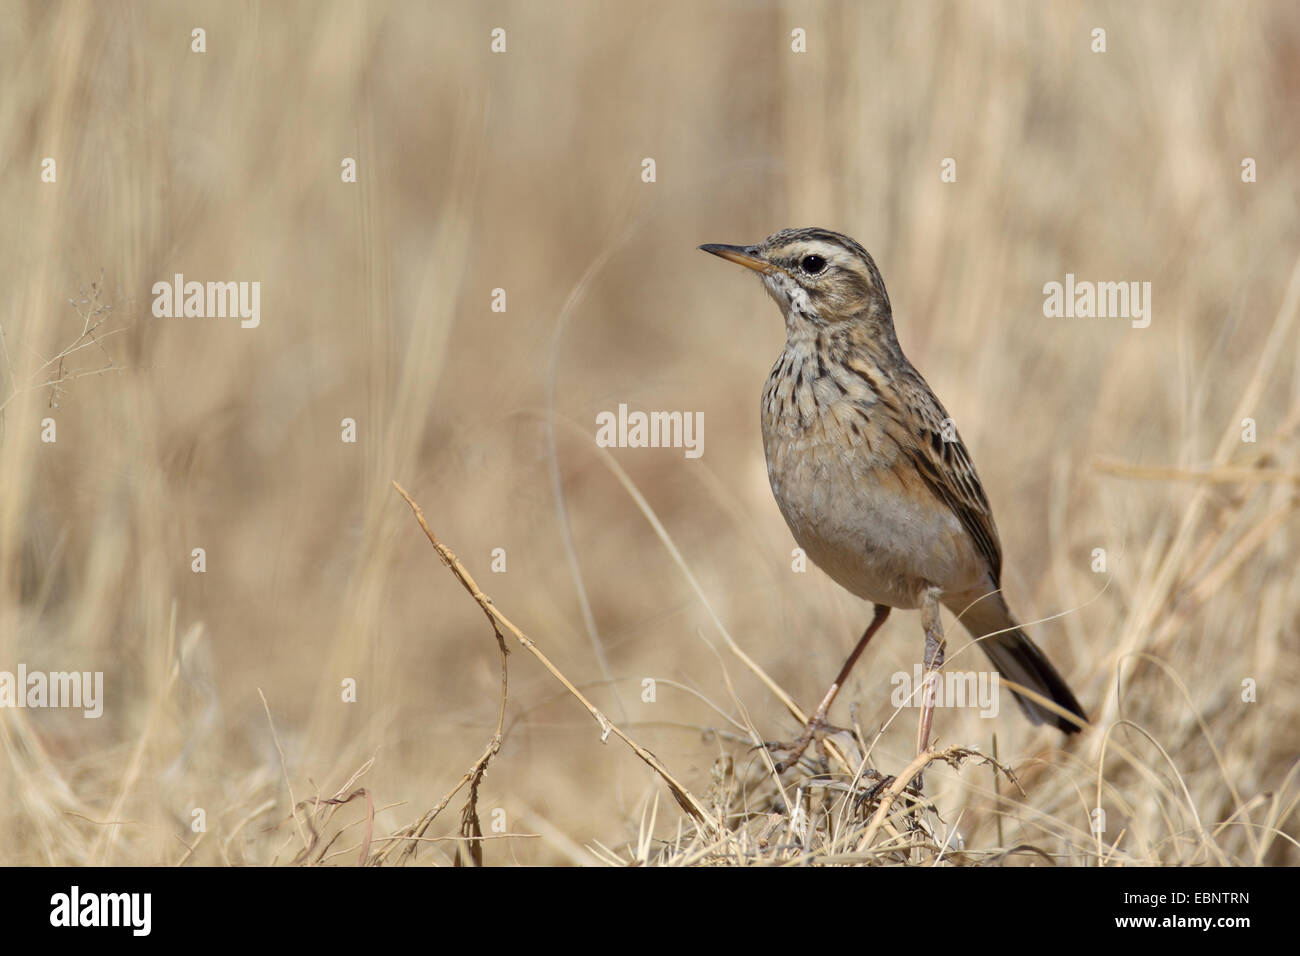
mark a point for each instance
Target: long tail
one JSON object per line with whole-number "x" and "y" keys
{"x": 1017, "y": 658}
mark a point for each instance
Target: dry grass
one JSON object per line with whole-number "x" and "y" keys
{"x": 522, "y": 171}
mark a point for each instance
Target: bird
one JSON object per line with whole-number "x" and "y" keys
{"x": 873, "y": 479}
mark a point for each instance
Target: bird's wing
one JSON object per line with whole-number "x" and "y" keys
{"x": 941, "y": 459}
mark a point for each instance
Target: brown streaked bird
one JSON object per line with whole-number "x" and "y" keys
{"x": 872, "y": 477}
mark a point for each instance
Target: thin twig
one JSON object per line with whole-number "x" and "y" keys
{"x": 684, "y": 797}
{"x": 410, "y": 838}
{"x": 1222, "y": 474}
{"x": 284, "y": 767}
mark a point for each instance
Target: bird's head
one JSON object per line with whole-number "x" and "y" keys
{"x": 818, "y": 277}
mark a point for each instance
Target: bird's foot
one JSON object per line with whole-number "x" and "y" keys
{"x": 816, "y": 729}
{"x": 870, "y": 792}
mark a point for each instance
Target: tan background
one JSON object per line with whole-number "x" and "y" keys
{"x": 522, "y": 171}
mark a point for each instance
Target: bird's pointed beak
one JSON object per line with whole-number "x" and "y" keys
{"x": 746, "y": 256}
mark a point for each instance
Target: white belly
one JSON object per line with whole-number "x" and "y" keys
{"x": 866, "y": 518}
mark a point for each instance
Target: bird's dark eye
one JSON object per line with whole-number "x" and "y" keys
{"x": 812, "y": 264}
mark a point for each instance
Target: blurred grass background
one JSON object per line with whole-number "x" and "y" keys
{"x": 522, "y": 171}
